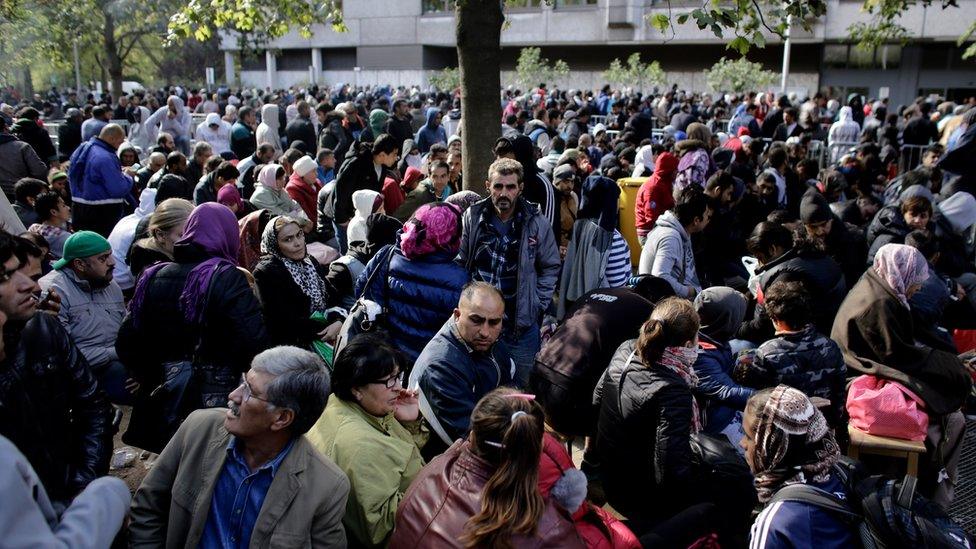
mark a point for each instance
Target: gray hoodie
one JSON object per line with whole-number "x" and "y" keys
{"x": 268, "y": 128}
{"x": 668, "y": 254}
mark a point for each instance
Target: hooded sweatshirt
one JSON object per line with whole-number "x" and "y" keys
{"x": 430, "y": 133}
{"x": 178, "y": 126}
{"x": 845, "y": 130}
{"x": 268, "y": 129}
{"x": 141, "y": 134}
{"x": 124, "y": 233}
{"x": 656, "y": 195}
{"x": 363, "y": 201}
{"x": 959, "y": 210}
{"x": 668, "y": 254}
{"x": 219, "y": 137}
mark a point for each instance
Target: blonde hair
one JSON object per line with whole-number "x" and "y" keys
{"x": 168, "y": 215}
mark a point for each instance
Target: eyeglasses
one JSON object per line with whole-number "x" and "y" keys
{"x": 392, "y": 381}
{"x": 248, "y": 393}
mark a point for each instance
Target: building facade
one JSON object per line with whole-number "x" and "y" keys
{"x": 402, "y": 42}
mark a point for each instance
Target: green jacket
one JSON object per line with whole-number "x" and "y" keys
{"x": 423, "y": 194}
{"x": 380, "y": 456}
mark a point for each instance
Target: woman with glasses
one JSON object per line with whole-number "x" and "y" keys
{"x": 372, "y": 432}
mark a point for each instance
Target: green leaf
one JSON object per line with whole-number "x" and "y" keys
{"x": 683, "y": 18}
{"x": 661, "y": 22}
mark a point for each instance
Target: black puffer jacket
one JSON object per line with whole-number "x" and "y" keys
{"x": 888, "y": 227}
{"x": 643, "y": 437}
{"x": 52, "y": 409}
{"x": 232, "y": 333}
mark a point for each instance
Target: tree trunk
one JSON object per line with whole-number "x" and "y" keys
{"x": 28, "y": 83}
{"x": 479, "y": 32}
{"x": 112, "y": 58}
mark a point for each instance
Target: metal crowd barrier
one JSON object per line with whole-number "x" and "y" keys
{"x": 837, "y": 150}
{"x": 909, "y": 157}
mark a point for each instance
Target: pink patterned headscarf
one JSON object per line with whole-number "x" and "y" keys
{"x": 901, "y": 267}
{"x": 433, "y": 227}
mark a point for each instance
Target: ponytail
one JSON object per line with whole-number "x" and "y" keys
{"x": 506, "y": 430}
{"x": 651, "y": 341}
{"x": 673, "y": 323}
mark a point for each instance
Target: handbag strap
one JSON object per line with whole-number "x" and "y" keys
{"x": 372, "y": 275}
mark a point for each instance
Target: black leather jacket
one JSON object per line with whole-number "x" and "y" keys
{"x": 52, "y": 408}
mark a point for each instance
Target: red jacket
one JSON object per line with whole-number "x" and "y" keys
{"x": 305, "y": 195}
{"x": 656, "y": 195}
{"x": 597, "y": 528}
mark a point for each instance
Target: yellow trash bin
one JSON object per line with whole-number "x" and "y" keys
{"x": 628, "y": 220}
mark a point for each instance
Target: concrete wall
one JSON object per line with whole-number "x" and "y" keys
{"x": 389, "y": 36}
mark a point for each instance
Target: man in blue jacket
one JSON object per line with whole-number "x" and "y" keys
{"x": 99, "y": 188}
{"x": 461, "y": 364}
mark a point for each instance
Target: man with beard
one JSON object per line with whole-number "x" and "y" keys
{"x": 246, "y": 475}
{"x": 53, "y": 409}
{"x": 92, "y": 308}
{"x": 509, "y": 244}
{"x": 399, "y": 125}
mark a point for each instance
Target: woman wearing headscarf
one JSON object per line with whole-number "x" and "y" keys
{"x": 418, "y": 281}
{"x": 597, "y": 255}
{"x": 875, "y": 332}
{"x": 377, "y": 121}
{"x": 787, "y": 441}
{"x": 197, "y": 308}
{"x": 269, "y": 193}
{"x": 291, "y": 287}
{"x": 721, "y": 310}
{"x": 695, "y": 165}
{"x": 267, "y": 132}
{"x": 230, "y": 196}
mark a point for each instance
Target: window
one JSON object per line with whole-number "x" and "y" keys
{"x": 437, "y": 6}
{"x": 850, "y": 56}
{"x": 564, "y": 3}
{"x": 835, "y": 55}
{"x": 523, "y": 4}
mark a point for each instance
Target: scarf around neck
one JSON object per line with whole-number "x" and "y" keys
{"x": 302, "y": 272}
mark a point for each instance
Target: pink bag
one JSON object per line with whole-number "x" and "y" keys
{"x": 886, "y": 409}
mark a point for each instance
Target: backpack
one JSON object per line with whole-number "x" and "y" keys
{"x": 886, "y": 513}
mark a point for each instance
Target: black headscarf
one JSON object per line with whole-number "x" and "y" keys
{"x": 599, "y": 201}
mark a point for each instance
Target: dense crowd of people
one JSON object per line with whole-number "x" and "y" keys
{"x": 331, "y": 339}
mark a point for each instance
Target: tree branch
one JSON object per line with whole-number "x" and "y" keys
{"x": 763, "y": 20}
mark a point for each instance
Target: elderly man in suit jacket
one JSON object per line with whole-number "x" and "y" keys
{"x": 246, "y": 476}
